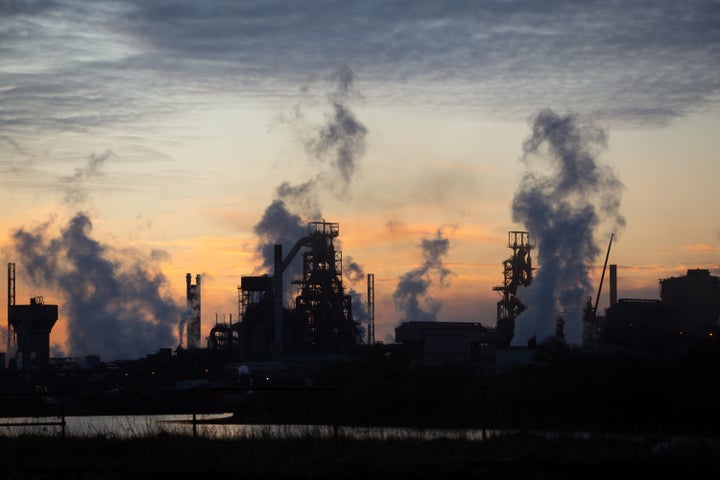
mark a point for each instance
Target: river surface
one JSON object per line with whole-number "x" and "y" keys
{"x": 131, "y": 426}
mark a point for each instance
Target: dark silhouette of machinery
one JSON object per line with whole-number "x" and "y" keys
{"x": 224, "y": 337}
{"x": 321, "y": 320}
{"x": 517, "y": 272}
{"x": 322, "y": 307}
{"x": 32, "y": 325}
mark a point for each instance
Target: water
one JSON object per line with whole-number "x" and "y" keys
{"x": 132, "y": 426}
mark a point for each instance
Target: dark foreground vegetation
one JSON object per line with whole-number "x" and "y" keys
{"x": 565, "y": 389}
{"x": 648, "y": 419}
{"x": 516, "y": 456}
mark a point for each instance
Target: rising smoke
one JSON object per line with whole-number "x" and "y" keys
{"x": 339, "y": 142}
{"x": 75, "y": 185}
{"x": 411, "y": 294}
{"x": 563, "y": 196}
{"x": 115, "y": 301}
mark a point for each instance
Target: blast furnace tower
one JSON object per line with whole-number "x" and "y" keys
{"x": 321, "y": 320}
{"x": 322, "y": 306}
{"x": 517, "y": 272}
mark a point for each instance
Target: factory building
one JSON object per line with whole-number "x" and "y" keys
{"x": 695, "y": 300}
{"x": 640, "y": 324}
{"x": 433, "y": 343}
{"x": 31, "y": 325}
{"x": 444, "y": 343}
{"x": 687, "y": 312}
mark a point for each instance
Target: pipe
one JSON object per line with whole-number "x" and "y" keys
{"x": 602, "y": 277}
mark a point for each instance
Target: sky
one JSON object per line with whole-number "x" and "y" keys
{"x": 140, "y": 141}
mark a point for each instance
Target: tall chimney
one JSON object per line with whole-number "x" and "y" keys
{"x": 192, "y": 337}
{"x": 278, "y": 299}
{"x": 613, "y": 285}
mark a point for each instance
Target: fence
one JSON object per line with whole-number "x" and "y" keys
{"x": 43, "y": 406}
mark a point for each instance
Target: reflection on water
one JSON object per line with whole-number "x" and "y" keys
{"x": 130, "y": 426}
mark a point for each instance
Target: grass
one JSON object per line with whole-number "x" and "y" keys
{"x": 515, "y": 456}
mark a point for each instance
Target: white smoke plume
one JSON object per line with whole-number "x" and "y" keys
{"x": 564, "y": 195}
{"x": 411, "y": 294}
{"x": 116, "y": 302}
{"x": 339, "y": 142}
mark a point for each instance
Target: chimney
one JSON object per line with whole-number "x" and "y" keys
{"x": 613, "y": 285}
{"x": 278, "y": 300}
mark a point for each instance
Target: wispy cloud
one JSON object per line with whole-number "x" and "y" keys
{"x": 69, "y": 64}
{"x": 700, "y": 248}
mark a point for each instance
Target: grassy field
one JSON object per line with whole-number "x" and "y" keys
{"x": 515, "y": 456}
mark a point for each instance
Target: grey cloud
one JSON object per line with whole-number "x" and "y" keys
{"x": 70, "y": 64}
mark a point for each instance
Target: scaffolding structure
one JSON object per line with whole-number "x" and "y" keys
{"x": 517, "y": 272}
{"x": 322, "y": 305}
{"x": 255, "y": 309}
{"x": 321, "y": 319}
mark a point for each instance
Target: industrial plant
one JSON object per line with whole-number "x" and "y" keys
{"x": 287, "y": 335}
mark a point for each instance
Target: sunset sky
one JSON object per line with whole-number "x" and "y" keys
{"x": 171, "y": 125}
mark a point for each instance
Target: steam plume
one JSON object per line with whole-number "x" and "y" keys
{"x": 114, "y": 301}
{"x": 411, "y": 294}
{"x": 339, "y": 142}
{"x": 562, "y": 197}
{"x": 75, "y": 192}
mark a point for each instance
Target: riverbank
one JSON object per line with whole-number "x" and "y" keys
{"x": 515, "y": 456}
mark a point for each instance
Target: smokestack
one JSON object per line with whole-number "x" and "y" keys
{"x": 10, "y": 303}
{"x": 277, "y": 297}
{"x": 613, "y": 285}
{"x": 371, "y": 308}
{"x": 192, "y": 338}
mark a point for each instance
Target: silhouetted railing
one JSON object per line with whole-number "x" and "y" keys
{"x": 43, "y": 406}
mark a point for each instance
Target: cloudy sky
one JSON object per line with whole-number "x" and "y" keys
{"x": 161, "y": 133}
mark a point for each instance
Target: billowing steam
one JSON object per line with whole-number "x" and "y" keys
{"x": 411, "y": 294}
{"x": 562, "y": 197}
{"x": 115, "y": 302}
{"x": 352, "y": 270}
{"x": 339, "y": 142}
{"x": 278, "y": 226}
